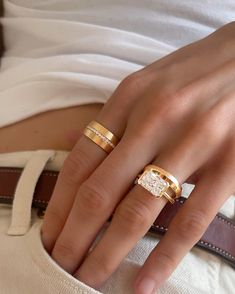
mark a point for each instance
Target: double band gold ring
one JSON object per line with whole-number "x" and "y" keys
{"x": 101, "y": 136}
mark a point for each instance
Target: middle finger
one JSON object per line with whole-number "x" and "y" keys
{"x": 136, "y": 213}
{"x": 96, "y": 199}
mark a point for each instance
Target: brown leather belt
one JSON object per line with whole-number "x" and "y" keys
{"x": 218, "y": 239}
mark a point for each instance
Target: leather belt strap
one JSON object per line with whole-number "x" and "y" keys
{"x": 218, "y": 239}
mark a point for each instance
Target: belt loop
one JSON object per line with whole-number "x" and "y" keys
{"x": 22, "y": 203}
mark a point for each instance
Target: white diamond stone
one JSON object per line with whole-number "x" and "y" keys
{"x": 101, "y": 136}
{"x": 153, "y": 183}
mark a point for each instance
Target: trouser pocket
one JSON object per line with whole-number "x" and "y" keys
{"x": 26, "y": 267}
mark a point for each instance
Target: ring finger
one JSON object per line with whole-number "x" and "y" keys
{"x": 137, "y": 211}
{"x": 81, "y": 162}
{"x": 188, "y": 225}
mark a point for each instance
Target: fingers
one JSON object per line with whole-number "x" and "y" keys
{"x": 99, "y": 194}
{"x": 79, "y": 164}
{"x": 86, "y": 155}
{"x": 187, "y": 227}
{"x": 95, "y": 200}
{"x": 138, "y": 210}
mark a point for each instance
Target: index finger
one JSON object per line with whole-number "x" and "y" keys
{"x": 81, "y": 162}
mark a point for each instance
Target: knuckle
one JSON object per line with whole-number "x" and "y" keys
{"x": 144, "y": 131}
{"x": 174, "y": 98}
{"x": 125, "y": 94}
{"x": 52, "y": 214}
{"x": 205, "y": 128}
{"x": 210, "y": 125}
{"x": 133, "y": 83}
{"x": 65, "y": 251}
{"x": 133, "y": 215}
{"x": 177, "y": 101}
{"x": 92, "y": 197}
{"x": 160, "y": 112}
{"x": 191, "y": 225}
{"x": 167, "y": 112}
{"x": 101, "y": 265}
{"x": 74, "y": 166}
{"x": 169, "y": 108}
{"x": 166, "y": 261}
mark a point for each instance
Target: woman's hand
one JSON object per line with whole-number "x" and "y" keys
{"x": 177, "y": 113}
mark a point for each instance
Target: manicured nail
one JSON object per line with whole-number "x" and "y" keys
{"x": 146, "y": 286}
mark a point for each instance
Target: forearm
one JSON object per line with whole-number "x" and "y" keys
{"x": 57, "y": 129}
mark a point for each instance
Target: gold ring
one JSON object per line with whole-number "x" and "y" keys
{"x": 101, "y": 136}
{"x": 159, "y": 182}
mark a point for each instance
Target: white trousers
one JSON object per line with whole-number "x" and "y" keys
{"x": 26, "y": 268}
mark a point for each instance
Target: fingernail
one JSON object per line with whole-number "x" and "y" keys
{"x": 146, "y": 286}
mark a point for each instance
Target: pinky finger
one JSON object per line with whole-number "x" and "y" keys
{"x": 186, "y": 228}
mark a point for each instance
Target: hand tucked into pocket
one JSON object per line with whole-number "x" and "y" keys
{"x": 177, "y": 113}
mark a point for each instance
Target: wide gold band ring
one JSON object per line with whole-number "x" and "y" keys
{"x": 159, "y": 183}
{"x": 101, "y": 136}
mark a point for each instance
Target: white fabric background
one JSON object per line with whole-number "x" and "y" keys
{"x": 61, "y": 53}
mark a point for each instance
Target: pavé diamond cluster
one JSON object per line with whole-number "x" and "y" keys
{"x": 153, "y": 183}
{"x": 101, "y": 136}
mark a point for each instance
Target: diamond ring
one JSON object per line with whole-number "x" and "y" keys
{"x": 101, "y": 136}
{"x": 159, "y": 182}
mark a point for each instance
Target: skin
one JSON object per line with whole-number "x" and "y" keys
{"x": 177, "y": 113}
{"x": 33, "y": 133}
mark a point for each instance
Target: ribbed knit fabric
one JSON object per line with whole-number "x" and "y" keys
{"x": 62, "y": 53}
